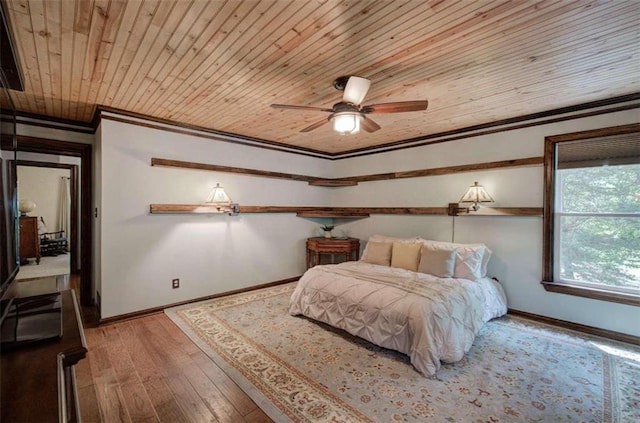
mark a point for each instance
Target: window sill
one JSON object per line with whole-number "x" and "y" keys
{"x": 596, "y": 294}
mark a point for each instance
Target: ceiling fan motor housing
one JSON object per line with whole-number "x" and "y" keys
{"x": 341, "y": 82}
{"x": 345, "y": 107}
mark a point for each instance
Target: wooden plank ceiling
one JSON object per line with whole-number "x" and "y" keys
{"x": 220, "y": 64}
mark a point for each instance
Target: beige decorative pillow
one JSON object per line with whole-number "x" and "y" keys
{"x": 405, "y": 255}
{"x": 437, "y": 262}
{"x": 377, "y": 253}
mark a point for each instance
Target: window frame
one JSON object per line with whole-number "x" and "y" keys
{"x": 549, "y": 281}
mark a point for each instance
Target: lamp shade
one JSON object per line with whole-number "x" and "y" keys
{"x": 346, "y": 122}
{"x": 26, "y": 206}
{"x": 476, "y": 194}
{"x": 355, "y": 90}
{"x": 219, "y": 198}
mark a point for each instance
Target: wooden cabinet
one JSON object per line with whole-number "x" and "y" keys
{"x": 347, "y": 248}
{"x": 38, "y": 380}
{"x": 29, "y": 240}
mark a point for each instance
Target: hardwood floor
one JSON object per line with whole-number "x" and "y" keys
{"x": 147, "y": 370}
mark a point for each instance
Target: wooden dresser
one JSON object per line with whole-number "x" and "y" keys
{"x": 38, "y": 381}
{"x": 29, "y": 239}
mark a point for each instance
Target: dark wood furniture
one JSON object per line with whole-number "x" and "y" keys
{"x": 38, "y": 380}
{"x": 29, "y": 239}
{"x": 53, "y": 243}
{"x": 349, "y": 248}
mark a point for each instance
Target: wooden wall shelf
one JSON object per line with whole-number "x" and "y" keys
{"x": 331, "y": 214}
{"x": 183, "y": 209}
{"x": 333, "y": 183}
{"x": 506, "y": 211}
{"x": 155, "y": 161}
{"x": 347, "y": 212}
{"x": 446, "y": 170}
{"x": 342, "y": 212}
{"x": 352, "y": 180}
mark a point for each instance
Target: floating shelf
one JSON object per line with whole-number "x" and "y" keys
{"x": 183, "y": 209}
{"x": 342, "y": 212}
{"x": 352, "y": 180}
{"x": 332, "y": 214}
{"x": 332, "y": 183}
{"x": 506, "y": 211}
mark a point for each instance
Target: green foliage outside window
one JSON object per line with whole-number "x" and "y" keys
{"x": 600, "y": 249}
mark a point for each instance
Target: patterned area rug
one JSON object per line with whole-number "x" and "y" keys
{"x": 517, "y": 370}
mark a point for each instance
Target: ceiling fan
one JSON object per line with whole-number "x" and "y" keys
{"x": 348, "y": 115}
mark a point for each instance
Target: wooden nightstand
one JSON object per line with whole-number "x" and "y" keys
{"x": 348, "y": 247}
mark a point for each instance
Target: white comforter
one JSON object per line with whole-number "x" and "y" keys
{"x": 428, "y": 318}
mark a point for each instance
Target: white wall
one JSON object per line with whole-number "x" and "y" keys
{"x": 141, "y": 253}
{"x": 137, "y": 253}
{"x": 515, "y": 241}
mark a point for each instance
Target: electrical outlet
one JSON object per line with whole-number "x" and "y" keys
{"x": 175, "y": 283}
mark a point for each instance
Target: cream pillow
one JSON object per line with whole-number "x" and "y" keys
{"x": 377, "y": 253}
{"x": 436, "y": 261}
{"x": 406, "y": 255}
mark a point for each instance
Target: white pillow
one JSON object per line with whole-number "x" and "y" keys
{"x": 377, "y": 253}
{"x": 406, "y": 255}
{"x": 471, "y": 259}
{"x": 437, "y": 261}
{"x": 468, "y": 263}
{"x": 485, "y": 261}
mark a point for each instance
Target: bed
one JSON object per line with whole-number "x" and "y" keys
{"x": 402, "y": 305}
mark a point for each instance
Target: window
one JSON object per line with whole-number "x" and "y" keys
{"x": 592, "y": 214}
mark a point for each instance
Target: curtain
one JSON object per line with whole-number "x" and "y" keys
{"x": 64, "y": 205}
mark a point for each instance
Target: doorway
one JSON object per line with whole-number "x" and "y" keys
{"x": 48, "y": 195}
{"x": 83, "y": 252}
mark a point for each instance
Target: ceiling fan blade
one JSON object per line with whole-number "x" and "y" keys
{"x": 310, "y": 108}
{"x": 355, "y": 90}
{"x": 369, "y": 125}
{"x": 398, "y": 107}
{"x": 315, "y": 125}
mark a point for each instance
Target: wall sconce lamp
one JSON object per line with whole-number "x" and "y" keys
{"x": 475, "y": 194}
{"x": 221, "y": 201}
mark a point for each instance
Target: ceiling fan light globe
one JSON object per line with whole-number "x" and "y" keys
{"x": 346, "y": 123}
